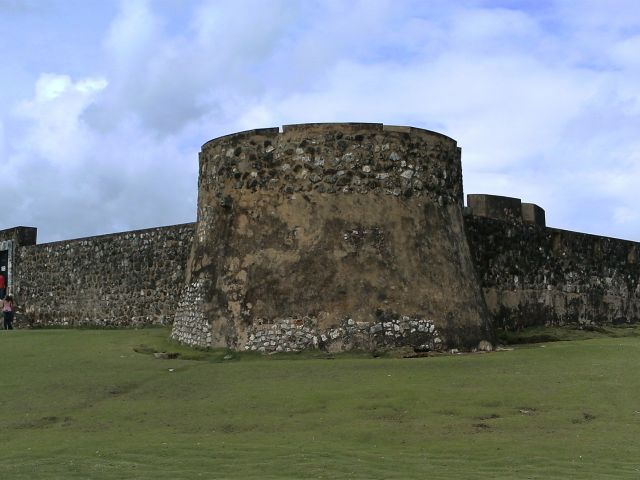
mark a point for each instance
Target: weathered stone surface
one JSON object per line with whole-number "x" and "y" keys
{"x": 327, "y": 222}
{"x": 21, "y": 236}
{"x": 125, "y": 279}
{"x": 532, "y": 213}
{"x": 495, "y": 206}
{"x": 532, "y": 275}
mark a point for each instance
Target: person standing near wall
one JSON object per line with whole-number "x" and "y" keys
{"x": 8, "y": 308}
{"x": 3, "y": 286}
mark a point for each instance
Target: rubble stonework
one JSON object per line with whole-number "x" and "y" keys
{"x": 294, "y": 335}
{"x": 330, "y": 222}
{"x": 191, "y": 326}
{"x": 126, "y": 279}
{"x": 335, "y": 159}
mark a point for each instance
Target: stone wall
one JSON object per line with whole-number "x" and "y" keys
{"x": 351, "y": 233}
{"x": 532, "y": 275}
{"x": 125, "y": 279}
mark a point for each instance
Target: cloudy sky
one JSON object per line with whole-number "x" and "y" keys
{"x": 104, "y": 104}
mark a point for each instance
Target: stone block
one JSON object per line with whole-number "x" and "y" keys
{"x": 495, "y": 206}
{"x": 532, "y": 213}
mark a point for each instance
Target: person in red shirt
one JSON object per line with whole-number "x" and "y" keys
{"x": 3, "y": 286}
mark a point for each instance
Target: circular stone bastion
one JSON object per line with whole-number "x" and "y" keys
{"x": 331, "y": 236}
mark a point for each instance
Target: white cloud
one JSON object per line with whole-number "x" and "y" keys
{"x": 542, "y": 99}
{"x": 55, "y": 130}
{"x": 81, "y": 182}
{"x": 133, "y": 34}
{"x": 624, "y": 215}
{"x": 626, "y": 52}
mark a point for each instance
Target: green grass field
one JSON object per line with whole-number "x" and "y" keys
{"x": 84, "y": 404}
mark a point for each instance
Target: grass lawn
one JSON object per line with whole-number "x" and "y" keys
{"x": 84, "y": 404}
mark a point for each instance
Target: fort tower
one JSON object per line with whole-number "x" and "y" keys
{"x": 332, "y": 235}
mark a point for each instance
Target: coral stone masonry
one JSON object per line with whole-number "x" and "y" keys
{"x": 330, "y": 236}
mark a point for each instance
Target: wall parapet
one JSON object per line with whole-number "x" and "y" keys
{"x": 21, "y": 236}
{"x": 345, "y": 158}
{"x": 504, "y": 208}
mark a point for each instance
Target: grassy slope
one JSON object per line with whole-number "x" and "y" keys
{"x": 83, "y": 404}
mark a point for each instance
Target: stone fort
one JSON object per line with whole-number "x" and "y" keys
{"x": 330, "y": 236}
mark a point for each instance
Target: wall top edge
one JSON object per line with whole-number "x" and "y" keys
{"x": 17, "y": 227}
{"x": 560, "y": 231}
{"x": 114, "y": 234}
{"x": 594, "y": 236}
{"x": 490, "y": 196}
{"x": 346, "y": 127}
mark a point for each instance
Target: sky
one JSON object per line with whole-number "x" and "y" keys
{"x": 104, "y": 104}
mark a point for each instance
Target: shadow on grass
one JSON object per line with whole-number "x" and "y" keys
{"x": 563, "y": 334}
{"x": 169, "y": 349}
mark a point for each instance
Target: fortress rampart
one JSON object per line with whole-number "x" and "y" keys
{"x": 534, "y": 275}
{"x": 125, "y": 279}
{"x": 331, "y": 236}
